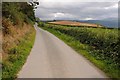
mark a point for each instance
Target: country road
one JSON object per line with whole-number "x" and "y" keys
{"x": 52, "y": 58}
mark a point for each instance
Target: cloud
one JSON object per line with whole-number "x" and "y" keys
{"x": 76, "y": 10}
{"x": 113, "y": 6}
{"x": 88, "y": 18}
{"x": 78, "y": 0}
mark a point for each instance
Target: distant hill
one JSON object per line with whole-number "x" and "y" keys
{"x": 111, "y": 23}
{"x": 74, "y": 23}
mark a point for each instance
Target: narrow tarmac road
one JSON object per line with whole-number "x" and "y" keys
{"x": 52, "y": 58}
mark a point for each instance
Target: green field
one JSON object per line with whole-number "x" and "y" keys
{"x": 100, "y": 46}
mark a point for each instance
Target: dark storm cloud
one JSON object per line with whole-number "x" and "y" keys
{"x": 77, "y": 10}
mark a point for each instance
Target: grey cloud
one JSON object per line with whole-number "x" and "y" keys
{"x": 73, "y": 10}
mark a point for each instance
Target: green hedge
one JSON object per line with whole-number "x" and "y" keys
{"x": 104, "y": 42}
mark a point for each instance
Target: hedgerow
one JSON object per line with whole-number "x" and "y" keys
{"x": 104, "y": 42}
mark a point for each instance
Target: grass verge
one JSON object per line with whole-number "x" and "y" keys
{"x": 85, "y": 50}
{"x": 17, "y": 56}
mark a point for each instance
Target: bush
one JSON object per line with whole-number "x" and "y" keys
{"x": 41, "y": 24}
{"x": 18, "y": 13}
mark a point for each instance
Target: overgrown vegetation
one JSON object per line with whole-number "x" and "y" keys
{"x": 18, "y": 36}
{"x": 99, "y": 45}
{"x": 18, "y": 13}
{"x": 17, "y": 56}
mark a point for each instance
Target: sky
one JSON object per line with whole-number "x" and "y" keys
{"x": 77, "y": 9}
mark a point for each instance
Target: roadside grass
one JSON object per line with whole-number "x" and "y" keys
{"x": 0, "y": 72}
{"x": 86, "y": 50}
{"x": 17, "y": 56}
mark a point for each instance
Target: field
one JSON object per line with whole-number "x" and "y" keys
{"x": 99, "y": 45}
{"x": 71, "y": 23}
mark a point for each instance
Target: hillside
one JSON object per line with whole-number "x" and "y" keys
{"x": 73, "y": 23}
{"x": 18, "y": 36}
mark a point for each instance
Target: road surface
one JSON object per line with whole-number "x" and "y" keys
{"x": 52, "y": 58}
